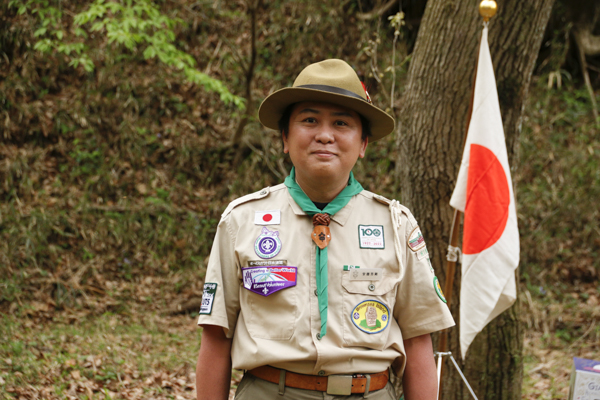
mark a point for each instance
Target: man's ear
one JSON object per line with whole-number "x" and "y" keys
{"x": 286, "y": 149}
{"x": 363, "y": 148}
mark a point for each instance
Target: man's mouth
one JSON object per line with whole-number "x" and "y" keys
{"x": 323, "y": 153}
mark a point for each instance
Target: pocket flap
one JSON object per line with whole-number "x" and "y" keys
{"x": 375, "y": 288}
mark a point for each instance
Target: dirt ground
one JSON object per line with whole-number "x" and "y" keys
{"x": 135, "y": 355}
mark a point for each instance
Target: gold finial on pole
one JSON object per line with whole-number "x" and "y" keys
{"x": 487, "y": 9}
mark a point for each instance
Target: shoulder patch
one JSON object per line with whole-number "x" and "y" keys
{"x": 244, "y": 199}
{"x": 208, "y": 298}
{"x": 416, "y": 241}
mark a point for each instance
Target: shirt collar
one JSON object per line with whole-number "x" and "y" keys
{"x": 341, "y": 217}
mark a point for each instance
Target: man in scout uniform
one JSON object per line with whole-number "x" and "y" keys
{"x": 316, "y": 287}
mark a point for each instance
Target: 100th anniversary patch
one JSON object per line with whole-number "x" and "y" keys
{"x": 371, "y": 237}
{"x": 371, "y": 316}
{"x": 208, "y": 298}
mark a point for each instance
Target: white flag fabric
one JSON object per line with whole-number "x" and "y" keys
{"x": 484, "y": 193}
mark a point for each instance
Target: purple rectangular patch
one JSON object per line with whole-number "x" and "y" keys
{"x": 268, "y": 280}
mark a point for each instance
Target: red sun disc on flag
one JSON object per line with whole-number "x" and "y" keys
{"x": 488, "y": 198}
{"x": 267, "y": 217}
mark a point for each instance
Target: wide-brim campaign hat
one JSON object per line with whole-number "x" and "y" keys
{"x": 330, "y": 81}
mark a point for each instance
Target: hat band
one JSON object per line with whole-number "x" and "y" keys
{"x": 332, "y": 89}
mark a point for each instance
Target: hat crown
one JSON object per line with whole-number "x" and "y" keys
{"x": 330, "y": 81}
{"x": 334, "y": 72}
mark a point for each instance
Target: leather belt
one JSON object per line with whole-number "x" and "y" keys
{"x": 332, "y": 384}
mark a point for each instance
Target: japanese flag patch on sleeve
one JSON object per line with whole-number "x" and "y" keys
{"x": 208, "y": 297}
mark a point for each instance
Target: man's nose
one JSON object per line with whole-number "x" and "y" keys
{"x": 325, "y": 134}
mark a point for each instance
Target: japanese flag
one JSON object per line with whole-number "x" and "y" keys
{"x": 484, "y": 193}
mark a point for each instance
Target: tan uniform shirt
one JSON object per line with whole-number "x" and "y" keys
{"x": 263, "y": 245}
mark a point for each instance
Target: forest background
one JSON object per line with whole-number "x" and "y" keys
{"x": 127, "y": 127}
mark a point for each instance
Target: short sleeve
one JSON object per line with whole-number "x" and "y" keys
{"x": 220, "y": 299}
{"x": 421, "y": 306}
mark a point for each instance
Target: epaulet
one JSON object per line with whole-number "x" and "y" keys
{"x": 396, "y": 204}
{"x": 244, "y": 199}
{"x": 382, "y": 200}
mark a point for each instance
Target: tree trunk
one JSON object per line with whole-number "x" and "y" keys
{"x": 430, "y": 139}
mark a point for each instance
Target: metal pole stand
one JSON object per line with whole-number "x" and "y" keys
{"x": 439, "y": 356}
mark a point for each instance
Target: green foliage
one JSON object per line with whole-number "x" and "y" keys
{"x": 558, "y": 184}
{"x": 50, "y": 34}
{"x": 137, "y": 25}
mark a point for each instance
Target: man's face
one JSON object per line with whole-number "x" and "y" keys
{"x": 324, "y": 141}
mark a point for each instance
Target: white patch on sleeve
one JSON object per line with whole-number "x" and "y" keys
{"x": 208, "y": 297}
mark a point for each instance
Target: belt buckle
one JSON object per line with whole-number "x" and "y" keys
{"x": 339, "y": 385}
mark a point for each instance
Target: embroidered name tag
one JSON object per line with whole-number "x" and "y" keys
{"x": 264, "y": 263}
{"x": 208, "y": 297}
{"x": 268, "y": 280}
{"x": 371, "y": 316}
{"x": 371, "y": 237}
{"x": 366, "y": 274}
{"x": 272, "y": 217}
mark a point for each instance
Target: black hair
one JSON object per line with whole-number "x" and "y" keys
{"x": 284, "y": 123}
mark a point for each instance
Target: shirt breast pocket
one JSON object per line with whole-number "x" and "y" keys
{"x": 272, "y": 317}
{"x": 368, "y": 310}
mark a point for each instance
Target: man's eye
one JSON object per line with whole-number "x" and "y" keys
{"x": 341, "y": 123}
{"x": 310, "y": 120}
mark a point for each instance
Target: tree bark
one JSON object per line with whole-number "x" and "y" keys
{"x": 430, "y": 139}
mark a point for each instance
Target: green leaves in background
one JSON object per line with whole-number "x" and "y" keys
{"x": 137, "y": 25}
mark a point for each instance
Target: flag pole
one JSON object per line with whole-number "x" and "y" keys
{"x": 487, "y": 9}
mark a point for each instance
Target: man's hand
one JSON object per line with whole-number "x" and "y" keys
{"x": 420, "y": 377}
{"x": 213, "y": 372}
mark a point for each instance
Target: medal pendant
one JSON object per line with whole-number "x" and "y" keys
{"x": 321, "y": 236}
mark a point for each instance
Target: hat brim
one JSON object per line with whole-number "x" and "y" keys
{"x": 272, "y": 108}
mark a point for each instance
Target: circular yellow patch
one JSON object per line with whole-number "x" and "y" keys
{"x": 371, "y": 316}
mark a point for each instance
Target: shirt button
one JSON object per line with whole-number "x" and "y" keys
{"x": 263, "y": 192}
{"x": 316, "y": 294}
{"x": 321, "y": 373}
{"x": 318, "y": 336}
{"x": 371, "y": 287}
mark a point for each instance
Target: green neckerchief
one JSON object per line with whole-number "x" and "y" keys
{"x": 309, "y": 208}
